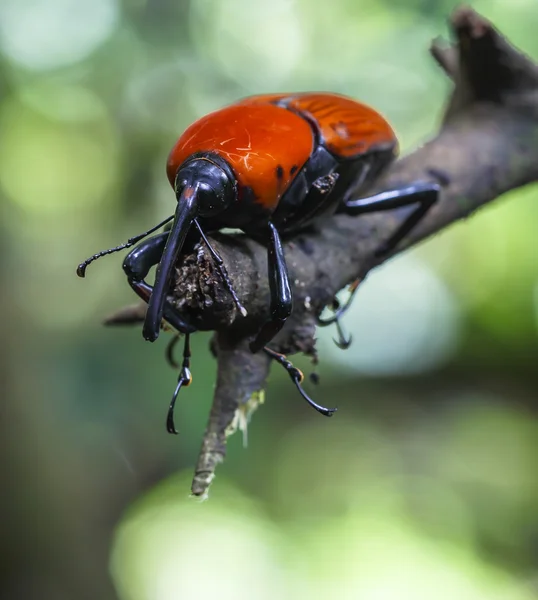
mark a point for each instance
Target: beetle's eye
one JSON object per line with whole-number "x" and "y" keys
{"x": 210, "y": 201}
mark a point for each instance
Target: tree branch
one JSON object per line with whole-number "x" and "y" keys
{"x": 487, "y": 145}
{"x": 240, "y": 378}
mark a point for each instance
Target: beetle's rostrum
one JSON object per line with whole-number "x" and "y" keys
{"x": 270, "y": 165}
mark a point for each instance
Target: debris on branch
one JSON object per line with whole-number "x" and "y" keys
{"x": 486, "y": 146}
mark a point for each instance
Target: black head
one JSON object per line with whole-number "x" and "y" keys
{"x": 213, "y": 179}
{"x": 205, "y": 187}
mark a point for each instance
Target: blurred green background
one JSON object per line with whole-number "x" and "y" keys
{"x": 424, "y": 485}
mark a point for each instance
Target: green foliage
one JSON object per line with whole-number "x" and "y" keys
{"x": 423, "y": 485}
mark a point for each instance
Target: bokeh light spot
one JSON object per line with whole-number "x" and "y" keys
{"x": 46, "y": 34}
{"x": 257, "y": 44}
{"x": 160, "y": 547}
{"x": 376, "y": 556}
{"x": 69, "y": 103}
{"x": 404, "y": 320}
{"x": 47, "y": 167}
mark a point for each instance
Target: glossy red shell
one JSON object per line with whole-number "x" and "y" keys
{"x": 265, "y": 145}
{"x": 266, "y": 139}
{"x": 348, "y": 128}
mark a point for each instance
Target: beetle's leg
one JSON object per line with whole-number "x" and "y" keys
{"x": 338, "y": 308}
{"x": 169, "y": 354}
{"x": 221, "y": 269}
{"x": 343, "y": 341}
{"x": 138, "y": 262}
{"x": 422, "y": 194}
{"x": 297, "y": 377}
{"x": 279, "y": 286}
{"x": 184, "y": 380}
{"x": 137, "y": 265}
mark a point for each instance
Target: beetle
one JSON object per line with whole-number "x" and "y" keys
{"x": 269, "y": 165}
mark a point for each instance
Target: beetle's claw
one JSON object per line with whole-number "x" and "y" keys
{"x": 343, "y": 343}
{"x": 185, "y": 379}
{"x": 327, "y": 412}
{"x": 297, "y": 377}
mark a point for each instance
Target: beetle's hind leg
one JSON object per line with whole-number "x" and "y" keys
{"x": 421, "y": 194}
{"x": 281, "y": 306}
{"x": 343, "y": 340}
{"x": 279, "y": 286}
{"x": 297, "y": 377}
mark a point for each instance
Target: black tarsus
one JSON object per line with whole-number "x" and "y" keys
{"x": 280, "y": 290}
{"x": 169, "y": 353}
{"x": 297, "y": 377}
{"x": 81, "y": 269}
{"x": 343, "y": 341}
{"x": 184, "y": 380}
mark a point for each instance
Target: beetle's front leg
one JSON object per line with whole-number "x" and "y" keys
{"x": 279, "y": 286}
{"x": 137, "y": 265}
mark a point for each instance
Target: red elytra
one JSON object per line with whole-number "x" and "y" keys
{"x": 348, "y": 128}
{"x": 267, "y": 139}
